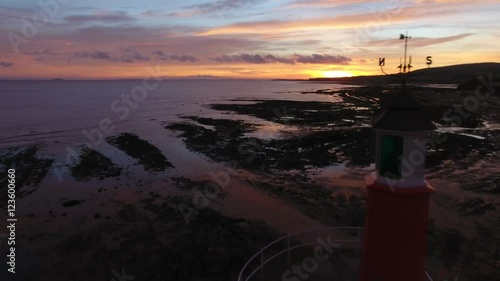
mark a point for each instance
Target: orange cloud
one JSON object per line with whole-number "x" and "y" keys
{"x": 421, "y": 41}
{"x": 373, "y": 19}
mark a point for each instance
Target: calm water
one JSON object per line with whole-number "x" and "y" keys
{"x": 49, "y": 110}
{"x": 63, "y": 115}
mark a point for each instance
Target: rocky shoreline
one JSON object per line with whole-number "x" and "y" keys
{"x": 143, "y": 229}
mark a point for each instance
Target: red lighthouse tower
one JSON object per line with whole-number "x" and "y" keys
{"x": 395, "y": 238}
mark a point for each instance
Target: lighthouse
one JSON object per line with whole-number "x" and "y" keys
{"x": 395, "y": 234}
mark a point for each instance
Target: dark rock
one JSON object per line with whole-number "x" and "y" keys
{"x": 93, "y": 164}
{"x": 484, "y": 85}
{"x": 147, "y": 154}
{"x": 71, "y": 203}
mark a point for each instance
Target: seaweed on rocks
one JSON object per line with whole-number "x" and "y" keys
{"x": 147, "y": 154}
{"x": 227, "y": 143}
{"x": 93, "y": 164}
{"x": 30, "y": 170}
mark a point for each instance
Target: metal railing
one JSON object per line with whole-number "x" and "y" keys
{"x": 428, "y": 276}
{"x": 288, "y": 238}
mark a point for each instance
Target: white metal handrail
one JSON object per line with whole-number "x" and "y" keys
{"x": 428, "y": 276}
{"x": 288, "y": 249}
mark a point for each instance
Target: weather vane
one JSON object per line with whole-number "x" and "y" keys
{"x": 404, "y": 68}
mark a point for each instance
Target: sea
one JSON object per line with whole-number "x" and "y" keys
{"x": 61, "y": 116}
{"x": 60, "y": 110}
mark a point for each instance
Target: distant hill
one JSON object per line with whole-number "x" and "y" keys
{"x": 456, "y": 74}
{"x": 453, "y": 74}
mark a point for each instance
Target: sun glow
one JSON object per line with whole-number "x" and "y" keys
{"x": 336, "y": 74}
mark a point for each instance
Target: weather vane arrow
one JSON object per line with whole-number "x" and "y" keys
{"x": 406, "y": 66}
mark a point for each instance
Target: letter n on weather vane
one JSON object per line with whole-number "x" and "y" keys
{"x": 381, "y": 62}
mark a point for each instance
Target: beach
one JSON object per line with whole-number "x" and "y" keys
{"x": 191, "y": 179}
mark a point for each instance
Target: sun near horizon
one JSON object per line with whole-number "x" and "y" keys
{"x": 337, "y": 74}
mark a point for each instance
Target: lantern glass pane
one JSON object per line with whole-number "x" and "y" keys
{"x": 391, "y": 155}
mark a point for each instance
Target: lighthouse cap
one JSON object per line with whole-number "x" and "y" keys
{"x": 403, "y": 114}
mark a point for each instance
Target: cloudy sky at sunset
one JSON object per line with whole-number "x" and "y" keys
{"x": 95, "y": 39}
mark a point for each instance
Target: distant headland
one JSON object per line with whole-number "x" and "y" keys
{"x": 455, "y": 74}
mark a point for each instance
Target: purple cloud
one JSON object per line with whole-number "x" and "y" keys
{"x": 216, "y": 6}
{"x": 133, "y": 55}
{"x": 263, "y": 59}
{"x": 98, "y": 55}
{"x": 108, "y": 17}
{"x": 184, "y": 58}
{"x": 322, "y": 59}
{"x": 248, "y": 58}
{"x": 277, "y": 59}
{"x": 204, "y": 8}
{"x": 45, "y": 52}
{"x": 41, "y": 55}
{"x": 126, "y": 55}
{"x": 160, "y": 55}
{"x": 6, "y": 64}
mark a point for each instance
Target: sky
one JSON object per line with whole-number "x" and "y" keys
{"x": 254, "y": 39}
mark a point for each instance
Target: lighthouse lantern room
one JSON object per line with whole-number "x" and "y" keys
{"x": 401, "y": 133}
